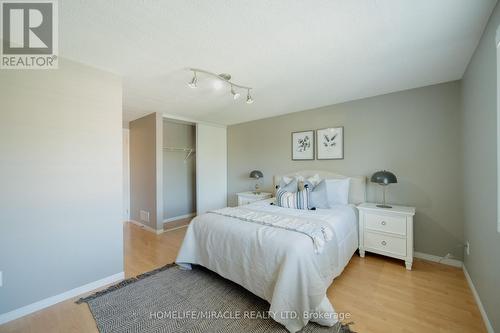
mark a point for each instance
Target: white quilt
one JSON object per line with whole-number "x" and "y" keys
{"x": 276, "y": 264}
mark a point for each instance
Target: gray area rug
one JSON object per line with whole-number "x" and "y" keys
{"x": 171, "y": 300}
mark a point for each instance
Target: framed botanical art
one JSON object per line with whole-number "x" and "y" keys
{"x": 303, "y": 145}
{"x": 330, "y": 143}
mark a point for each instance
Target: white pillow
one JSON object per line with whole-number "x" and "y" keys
{"x": 300, "y": 178}
{"x": 337, "y": 191}
{"x": 318, "y": 197}
{"x": 311, "y": 181}
{"x": 314, "y": 180}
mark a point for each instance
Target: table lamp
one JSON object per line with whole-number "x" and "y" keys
{"x": 257, "y": 175}
{"x": 384, "y": 178}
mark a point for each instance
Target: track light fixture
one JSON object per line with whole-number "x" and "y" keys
{"x": 193, "y": 83}
{"x": 222, "y": 79}
{"x": 249, "y": 98}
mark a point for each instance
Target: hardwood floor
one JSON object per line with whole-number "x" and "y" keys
{"x": 379, "y": 293}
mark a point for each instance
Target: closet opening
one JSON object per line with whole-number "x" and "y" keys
{"x": 179, "y": 173}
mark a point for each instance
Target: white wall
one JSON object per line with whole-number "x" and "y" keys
{"x": 60, "y": 181}
{"x": 211, "y": 167}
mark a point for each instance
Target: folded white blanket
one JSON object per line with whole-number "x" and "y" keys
{"x": 317, "y": 230}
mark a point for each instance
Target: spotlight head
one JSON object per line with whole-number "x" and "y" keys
{"x": 194, "y": 82}
{"x": 249, "y": 98}
{"x": 235, "y": 94}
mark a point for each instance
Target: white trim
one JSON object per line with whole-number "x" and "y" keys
{"x": 126, "y": 174}
{"x": 172, "y": 229}
{"x": 191, "y": 120}
{"x": 145, "y": 227}
{"x": 487, "y": 322}
{"x": 180, "y": 217}
{"x": 159, "y": 173}
{"x": 44, "y": 303}
{"x": 497, "y": 38}
{"x": 441, "y": 260}
{"x": 498, "y": 125}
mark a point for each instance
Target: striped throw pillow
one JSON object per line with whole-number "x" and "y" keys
{"x": 295, "y": 200}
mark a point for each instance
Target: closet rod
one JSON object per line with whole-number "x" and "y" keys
{"x": 189, "y": 151}
{"x": 179, "y": 149}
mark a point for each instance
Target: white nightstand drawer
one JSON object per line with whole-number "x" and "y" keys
{"x": 385, "y": 243}
{"x": 245, "y": 201}
{"x": 245, "y": 198}
{"x": 385, "y": 223}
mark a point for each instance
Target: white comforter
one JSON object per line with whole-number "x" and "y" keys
{"x": 275, "y": 264}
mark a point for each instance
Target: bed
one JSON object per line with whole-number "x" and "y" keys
{"x": 279, "y": 265}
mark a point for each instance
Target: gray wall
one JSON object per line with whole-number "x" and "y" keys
{"x": 61, "y": 181}
{"x": 414, "y": 133}
{"x": 143, "y": 169}
{"x": 179, "y": 176}
{"x": 479, "y": 101}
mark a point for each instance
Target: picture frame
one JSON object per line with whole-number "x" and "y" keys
{"x": 303, "y": 145}
{"x": 330, "y": 143}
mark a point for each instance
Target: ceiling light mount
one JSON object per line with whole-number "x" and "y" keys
{"x": 223, "y": 78}
{"x": 194, "y": 82}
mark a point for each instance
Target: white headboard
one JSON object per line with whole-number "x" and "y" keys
{"x": 357, "y": 190}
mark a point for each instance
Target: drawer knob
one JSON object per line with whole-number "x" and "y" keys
{"x": 384, "y": 223}
{"x": 384, "y": 243}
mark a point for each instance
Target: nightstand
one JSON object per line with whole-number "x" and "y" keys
{"x": 387, "y": 231}
{"x": 244, "y": 198}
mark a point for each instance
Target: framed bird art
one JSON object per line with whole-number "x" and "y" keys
{"x": 330, "y": 143}
{"x": 303, "y": 145}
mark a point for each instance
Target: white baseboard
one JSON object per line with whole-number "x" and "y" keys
{"x": 44, "y": 303}
{"x": 172, "y": 229}
{"x": 441, "y": 260}
{"x": 145, "y": 227}
{"x": 487, "y": 322}
{"x": 160, "y": 231}
{"x": 180, "y": 217}
{"x": 175, "y": 218}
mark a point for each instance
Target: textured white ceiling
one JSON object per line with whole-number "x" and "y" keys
{"x": 297, "y": 55}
